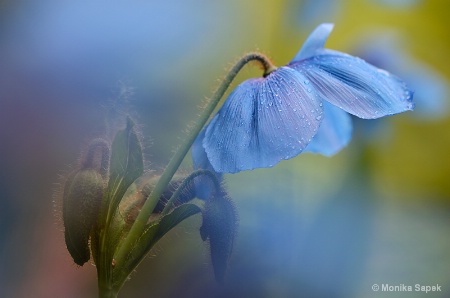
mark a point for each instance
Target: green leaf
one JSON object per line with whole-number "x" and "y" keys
{"x": 152, "y": 234}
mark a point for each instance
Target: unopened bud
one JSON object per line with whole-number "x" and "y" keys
{"x": 81, "y": 202}
{"x": 83, "y": 192}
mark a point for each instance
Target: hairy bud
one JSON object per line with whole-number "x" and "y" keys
{"x": 82, "y": 198}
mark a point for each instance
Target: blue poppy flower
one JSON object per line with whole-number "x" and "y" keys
{"x": 265, "y": 120}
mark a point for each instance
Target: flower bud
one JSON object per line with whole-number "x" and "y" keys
{"x": 81, "y": 202}
{"x": 83, "y": 192}
{"x": 219, "y": 226}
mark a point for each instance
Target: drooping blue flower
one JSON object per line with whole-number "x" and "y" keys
{"x": 265, "y": 120}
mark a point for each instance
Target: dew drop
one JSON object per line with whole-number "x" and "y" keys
{"x": 318, "y": 118}
{"x": 306, "y": 82}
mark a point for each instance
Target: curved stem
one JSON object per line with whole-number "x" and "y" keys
{"x": 185, "y": 183}
{"x": 139, "y": 224}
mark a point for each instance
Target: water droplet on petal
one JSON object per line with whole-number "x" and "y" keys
{"x": 318, "y": 118}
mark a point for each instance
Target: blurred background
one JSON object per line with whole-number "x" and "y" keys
{"x": 376, "y": 213}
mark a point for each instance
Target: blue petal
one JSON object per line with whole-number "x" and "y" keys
{"x": 204, "y": 187}
{"x": 334, "y": 132}
{"x": 430, "y": 88}
{"x": 263, "y": 121}
{"x": 354, "y": 85}
{"x": 314, "y": 43}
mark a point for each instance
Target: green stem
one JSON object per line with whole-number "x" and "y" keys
{"x": 141, "y": 220}
{"x": 106, "y": 292}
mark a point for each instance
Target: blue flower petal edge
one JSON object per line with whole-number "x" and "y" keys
{"x": 354, "y": 85}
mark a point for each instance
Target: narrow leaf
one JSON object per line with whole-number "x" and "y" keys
{"x": 126, "y": 165}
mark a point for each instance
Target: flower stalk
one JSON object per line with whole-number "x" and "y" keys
{"x": 139, "y": 225}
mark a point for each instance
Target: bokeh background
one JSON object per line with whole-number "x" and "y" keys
{"x": 376, "y": 213}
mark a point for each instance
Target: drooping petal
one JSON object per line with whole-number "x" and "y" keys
{"x": 315, "y": 42}
{"x": 430, "y": 87}
{"x": 263, "y": 121}
{"x": 354, "y": 85}
{"x": 334, "y": 132}
{"x": 204, "y": 187}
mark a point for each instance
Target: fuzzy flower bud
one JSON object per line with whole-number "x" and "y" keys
{"x": 82, "y": 198}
